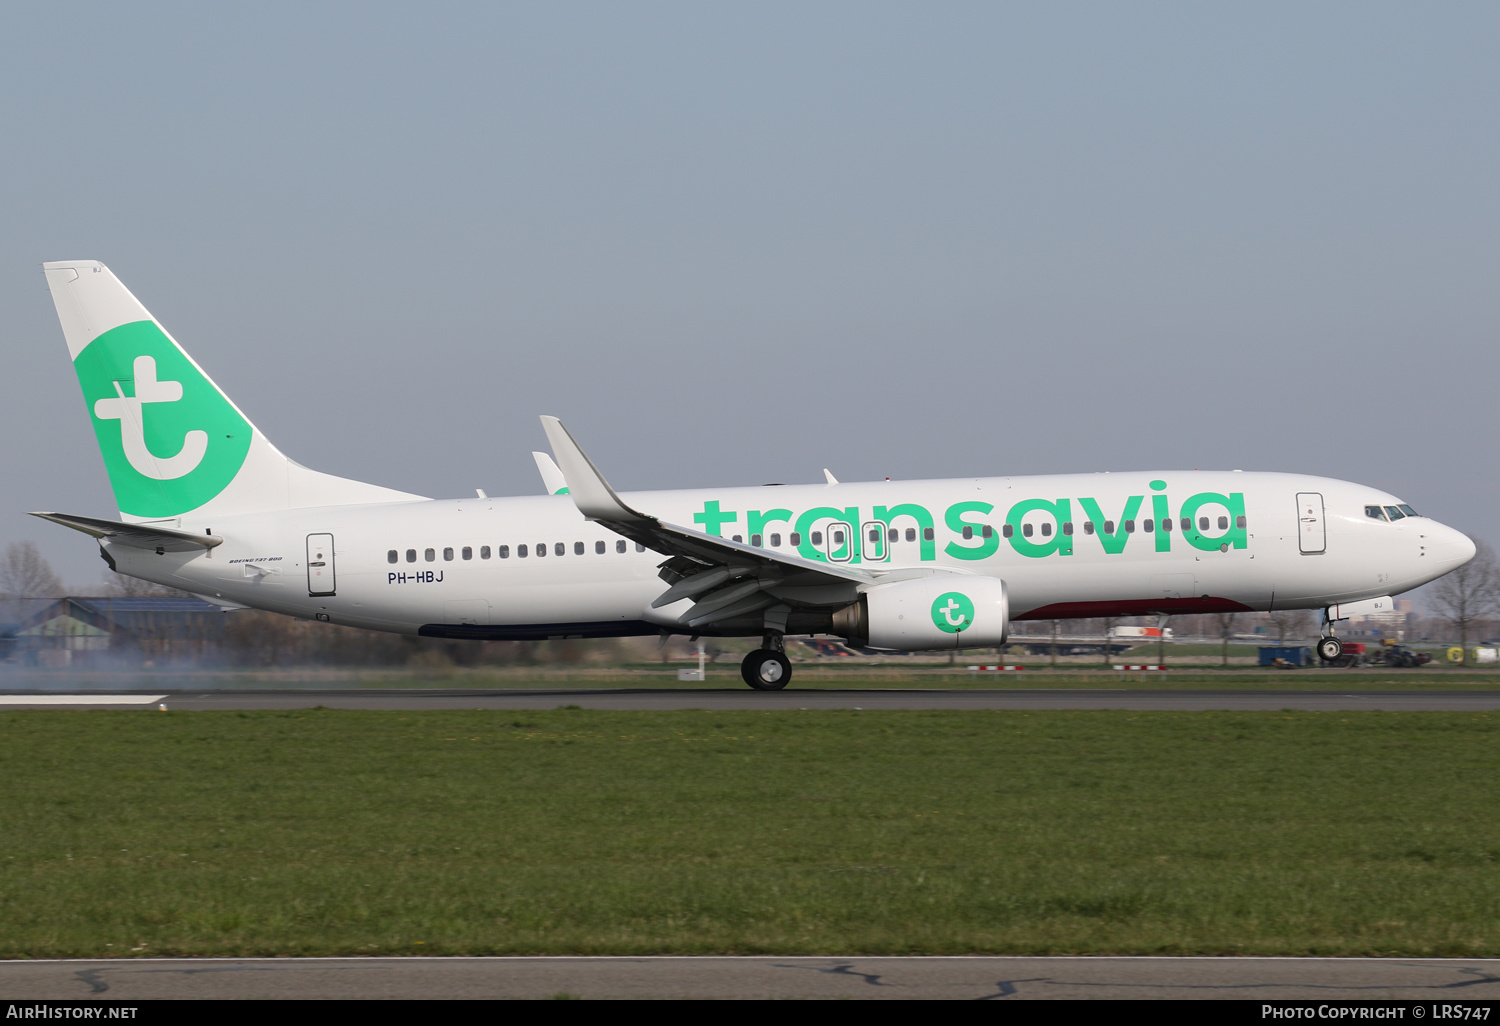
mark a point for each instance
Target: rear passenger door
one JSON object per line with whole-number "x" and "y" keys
{"x": 320, "y": 574}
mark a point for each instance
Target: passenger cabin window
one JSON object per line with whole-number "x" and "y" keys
{"x": 894, "y": 534}
{"x": 521, "y": 552}
{"x": 1187, "y": 523}
{"x": 987, "y": 531}
{"x": 1166, "y": 523}
{"x": 1148, "y": 526}
{"x": 578, "y": 548}
{"x": 1203, "y": 523}
{"x": 927, "y": 534}
{"x": 1109, "y": 527}
{"x": 620, "y": 545}
{"x": 429, "y": 555}
{"x": 1026, "y": 530}
{"x": 1047, "y": 529}
{"x": 1223, "y": 523}
{"x": 468, "y": 552}
{"x": 1008, "y": 531}
{"x": 639, "y": 547}
{"x": 1068, "y": 527}
{"x": 448, "y": 554}
{"x": 560, "y": 549}
{"x": 541, "y": 550}
{"x": 738, "y": 538}
{"x": 1130, "y": 527}
{"x": 1088, "y": 527}
{"x": 503, "y": 551}
{"x": 411, "y": 555}
{"x": 968, "y": 532}
{"x": 875, "y": 535}
{"x": 1239, "y": 522}
{"x": 775, "y": 541}
{"x": 484, "y": 552}
{"x": 817, "y": 538}
{"x": 755, "y": 540}
{"x": 391, "y": 556}
{"x": 911, "y": 534}
{"x": 599, "y": 548}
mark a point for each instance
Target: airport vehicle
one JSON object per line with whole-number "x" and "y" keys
{"x": 1395, "y": 654}
{"x": 207, "y": 504}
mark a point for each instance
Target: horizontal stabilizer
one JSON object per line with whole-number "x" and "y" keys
{"x": 139, "y": 536}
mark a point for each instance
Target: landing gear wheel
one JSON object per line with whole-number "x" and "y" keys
{"x": 1330, "y": 649}
{"x": 765, "y": 670}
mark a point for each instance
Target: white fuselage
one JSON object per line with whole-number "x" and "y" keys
{"x": 1247, "y": 541}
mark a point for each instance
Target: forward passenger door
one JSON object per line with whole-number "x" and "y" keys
{"x": 1312, "y": 537}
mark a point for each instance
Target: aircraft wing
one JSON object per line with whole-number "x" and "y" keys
{"x": 727, "y": 579}
{"x": 140, "y": 536}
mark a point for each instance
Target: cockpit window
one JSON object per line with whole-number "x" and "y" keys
{"x": 1374, "y": 512}
{"x": 1407, "y": 510}
{"x": 1394, "y": 513}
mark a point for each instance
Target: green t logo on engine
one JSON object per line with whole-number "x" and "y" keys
{"x": 952, "y": 612}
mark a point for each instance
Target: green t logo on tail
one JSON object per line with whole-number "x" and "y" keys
{"x": 952, "y": 612}
{"x": 171, "y": 441}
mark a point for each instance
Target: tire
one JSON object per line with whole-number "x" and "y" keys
{"x": 1330, "y": 649}
{"x": 765, "y": 670}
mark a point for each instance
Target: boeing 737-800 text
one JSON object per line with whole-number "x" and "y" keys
{"x": 208, "y": 505}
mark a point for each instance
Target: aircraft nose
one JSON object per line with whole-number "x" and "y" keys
{"x": 1450, "y": 549}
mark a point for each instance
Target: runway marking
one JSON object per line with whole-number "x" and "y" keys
{"x": 80, "y": 699}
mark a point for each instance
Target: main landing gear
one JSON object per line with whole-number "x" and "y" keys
{"x": 767, "y": 668}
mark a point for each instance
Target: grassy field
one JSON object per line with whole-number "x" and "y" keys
{"x": 333, "y": 832}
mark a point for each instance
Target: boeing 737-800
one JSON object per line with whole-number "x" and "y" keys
{"x": 208, "y": 505}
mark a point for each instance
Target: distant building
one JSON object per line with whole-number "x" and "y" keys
{"x": 1385, "y": 625}
{"x": 80, "y": 630}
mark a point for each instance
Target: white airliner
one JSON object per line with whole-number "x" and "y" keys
{"x": 207, "y": 504}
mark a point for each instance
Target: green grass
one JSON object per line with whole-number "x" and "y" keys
{"x": 331, "y": 832}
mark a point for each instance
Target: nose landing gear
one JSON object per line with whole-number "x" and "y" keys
{"x": 1329, "y": 647}
{"x": 767, "y": 668}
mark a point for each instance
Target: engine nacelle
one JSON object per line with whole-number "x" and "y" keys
{"x": 943, "y": 611}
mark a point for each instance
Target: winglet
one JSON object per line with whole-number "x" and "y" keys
{"x": 593, "y": 496}
{"x": 552, "y": 478}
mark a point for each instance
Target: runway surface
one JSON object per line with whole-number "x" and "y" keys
{"x": 811, "y": 698}
{"x": 963, "y": 978}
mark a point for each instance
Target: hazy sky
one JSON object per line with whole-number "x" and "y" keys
{"x": 730, "y": 244}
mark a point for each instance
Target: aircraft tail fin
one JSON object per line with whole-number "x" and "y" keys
{"x": 173, "y": 443}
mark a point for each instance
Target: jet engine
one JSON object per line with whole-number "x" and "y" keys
{"x": 943, "y": 611}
